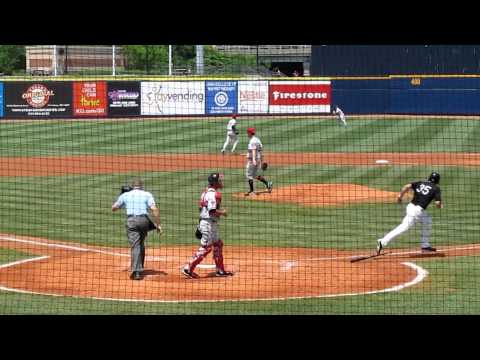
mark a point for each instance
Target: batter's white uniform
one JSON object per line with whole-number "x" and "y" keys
{"x": 252, "y": 170}
{"x": 231, "y": 136}
{"x": 340, "y": 115}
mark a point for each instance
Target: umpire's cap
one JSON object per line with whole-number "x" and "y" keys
{"x": 251, "y": 130}
{"x": 434, "y": 177}
{"x": 214, "y": 178}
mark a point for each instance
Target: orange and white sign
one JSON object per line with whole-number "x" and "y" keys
{"x": 90, "y": 98}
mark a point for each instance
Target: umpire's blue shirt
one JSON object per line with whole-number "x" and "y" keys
{"x": 136, "y": 201}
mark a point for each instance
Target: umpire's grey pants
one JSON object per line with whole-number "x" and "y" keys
{"x": 137, "y": 231}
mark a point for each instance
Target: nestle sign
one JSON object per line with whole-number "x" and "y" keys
{"x": 299, "y": 96}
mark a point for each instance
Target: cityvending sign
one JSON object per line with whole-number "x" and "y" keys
{"x": 221, "y": 97}
{"x": 173, "y": 98}
{"x": 253, "y": 97}
{"x": 299, "y": 96}
{"x": 52, "y": 99}
{"x": 90, "y": 98}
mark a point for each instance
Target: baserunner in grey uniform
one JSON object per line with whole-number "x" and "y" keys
{"x": 137, "y": 203}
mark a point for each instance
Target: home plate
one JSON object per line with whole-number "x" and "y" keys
{"x": 382, "y": 162}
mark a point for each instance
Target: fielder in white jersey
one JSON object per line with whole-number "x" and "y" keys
{"x": 340, "y": 115}
{"x": 254, "y": 162}
{"x": 232, "y": 134}
{"x": 210, "y": 213}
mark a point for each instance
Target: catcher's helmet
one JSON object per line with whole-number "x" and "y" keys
{"x": 214, "y": 179}
{"x": 434, "y": 177}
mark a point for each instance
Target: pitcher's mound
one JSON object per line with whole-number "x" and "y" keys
{"x": 322, "y": 195}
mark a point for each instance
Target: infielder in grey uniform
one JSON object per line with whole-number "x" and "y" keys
{"x": 137, "y": 203}
{"x": 423, "y": 193}
{"x": 254, "y": 162}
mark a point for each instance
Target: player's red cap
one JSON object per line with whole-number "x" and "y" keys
{"x": 234, "y": 116}
{"x": 251, "y": 130}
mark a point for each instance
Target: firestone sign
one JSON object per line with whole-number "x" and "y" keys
{"x": 299, "y": 96}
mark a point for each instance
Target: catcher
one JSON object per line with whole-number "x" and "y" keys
{"x": 255, "y": 163}
{"x": 208, "y": 231}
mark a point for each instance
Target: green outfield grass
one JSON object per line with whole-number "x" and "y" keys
{"x": 73, "y": 137}
{"x": 77, "y": 207}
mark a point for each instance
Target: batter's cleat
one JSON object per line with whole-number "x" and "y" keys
{"x": 189, "y": 274}
{"x": 270, "y": 186}
{"x": 429, "y": 249}
{"x": 223, "y": 152}
{"x": 136, "y": 275}
{"x": 250, "y": 193}
{"x": 379, "y": 247}
{"x": 223, "y": 273}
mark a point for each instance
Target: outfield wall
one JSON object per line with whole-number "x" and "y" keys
{"x": 456, "y": 95}
{"x": 408, "y": 95}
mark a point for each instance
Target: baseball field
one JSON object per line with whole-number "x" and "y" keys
{"x": 62, "y": 250}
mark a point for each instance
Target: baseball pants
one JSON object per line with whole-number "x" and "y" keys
{"x": 137, "y": 231}
{"x": 414, "y": 214}
{"x": 252, "y": 171}
{"x": 210, "y": 239}
{"x": 342, "y": 120}
{"x": 231, "y": 139}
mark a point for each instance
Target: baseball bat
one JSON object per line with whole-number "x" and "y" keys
{"x": 365, "y": 257}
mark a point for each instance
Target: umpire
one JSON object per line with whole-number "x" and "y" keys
{"x": 137, "y": 202}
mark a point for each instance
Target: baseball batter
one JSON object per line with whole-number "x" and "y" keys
{"x": 424, "y": 192}
{"x": 232, "y": 134}
{"x": 210, "y": 213}
{"x": 254, "y": 162}
{"x": 340, "y": 115}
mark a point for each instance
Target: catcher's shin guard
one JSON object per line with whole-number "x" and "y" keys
{"x": 199, "y": 256}
{"x": 218, "y": 255}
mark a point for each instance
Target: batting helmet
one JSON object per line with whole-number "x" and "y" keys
{"x": 434, "y": 177}
{"x": 251, "y": 130}
{"x": 214, "y": 179}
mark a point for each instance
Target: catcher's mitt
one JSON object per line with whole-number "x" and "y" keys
{"x": 198, "y": 233}
{"x": 126, "y": 188}
{"x": 264, "y": 166}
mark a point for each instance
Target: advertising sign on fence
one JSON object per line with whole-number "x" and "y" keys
{"x": 90, "y": 98}
{"x": 253, "y": 97}
{"x": 299, "y": 96}
{"x": 173, "y": 98}
{"x": 48, "y": 99}
{"x": 221, "y": 97}
{"x": 1, "y": 99}
{"x": 123, "y": 98}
